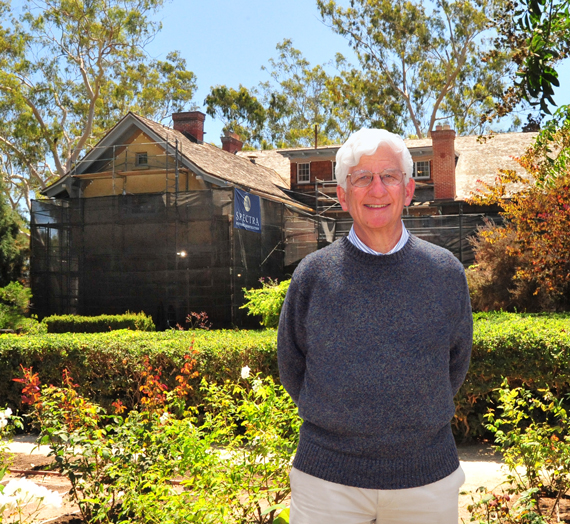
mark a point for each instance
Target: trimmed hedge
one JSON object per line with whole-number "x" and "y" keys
{"x": 98, "y": 324}
{"x": 108, "y": 366}
{"x": 530, "y": 350}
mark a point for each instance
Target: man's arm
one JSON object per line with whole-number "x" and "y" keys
{"x": 461, "y": 342}
{"x": 290, "y": 341}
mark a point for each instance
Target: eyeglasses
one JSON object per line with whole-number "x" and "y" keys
{"x": 389, "y": 177}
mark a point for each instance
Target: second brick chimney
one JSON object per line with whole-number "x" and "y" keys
{"x": 443, "y": 168}
{"x": 231, "y": 143}
{"x": 191, "y": 124}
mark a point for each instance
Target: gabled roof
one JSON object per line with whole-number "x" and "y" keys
{"x": 210, "y": 162}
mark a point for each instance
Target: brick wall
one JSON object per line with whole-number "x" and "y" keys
{"x": 321, "y": 169}
{"x": 443, "y": 163}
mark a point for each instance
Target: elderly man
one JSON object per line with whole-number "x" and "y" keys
{"x": 374, "y": 342}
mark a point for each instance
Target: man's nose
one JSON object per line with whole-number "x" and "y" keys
{"x": 377, "y": 186}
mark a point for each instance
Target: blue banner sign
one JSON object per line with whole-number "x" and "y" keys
{"x": 247, "y": 211}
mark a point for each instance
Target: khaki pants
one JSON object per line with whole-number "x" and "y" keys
{"x": 317, "y": 501}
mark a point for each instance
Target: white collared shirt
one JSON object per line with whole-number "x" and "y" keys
{"x": 356, "y": 242}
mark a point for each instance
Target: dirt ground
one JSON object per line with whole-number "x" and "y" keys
{"x": 481, "y": 465}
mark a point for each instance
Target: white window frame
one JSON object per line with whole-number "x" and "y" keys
{"x": 415, "y": 171}
{"x": 305, "y": 166}
{"x": 138, "y": 156}
{"x": 333, "y": 162}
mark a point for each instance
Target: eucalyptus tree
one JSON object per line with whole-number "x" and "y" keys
{"x": 69, "y": 70}
{"x": 240, "y": 111}
{"x": 428, "y": 54}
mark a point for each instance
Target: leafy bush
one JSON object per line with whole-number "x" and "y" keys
{"x": 536, "y": 211}
{"x": 234, "y": 465}
{"x": 267, "y": 301}
{"x": 98, "y": 324}
{"x": 14, "y": 303}
{"x": 529, "y": 350}
{"x": 110, "y": 366}
{"x": 493, "y": 285}
{"x": 532, "y": 433}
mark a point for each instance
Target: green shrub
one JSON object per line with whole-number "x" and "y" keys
{"x": 530, "y": 350}
{"x": 109, "y": 366}
{"x": 14, "y": 303}
{"x": 267, "y": 301}
{"x": 98, "y": 324}
{"x": 532, "y": 433}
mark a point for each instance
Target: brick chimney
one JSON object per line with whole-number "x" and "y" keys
{"x": 231, "y": 143}
{"x": 443, "y": 168}
{"x": 191, "y": 124}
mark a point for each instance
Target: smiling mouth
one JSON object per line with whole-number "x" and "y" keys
{"x": 376, "y": 206}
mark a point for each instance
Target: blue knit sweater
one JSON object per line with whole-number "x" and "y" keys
{"x": 372, "y": 349}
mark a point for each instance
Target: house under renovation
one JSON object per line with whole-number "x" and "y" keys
{"x": 155, "y": 219}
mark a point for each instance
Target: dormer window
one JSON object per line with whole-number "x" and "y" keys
{"x": 421, "y": 170}
{"x": 142, "y": 159}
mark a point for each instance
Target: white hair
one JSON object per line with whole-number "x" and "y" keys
{"x": 366, "y": 142}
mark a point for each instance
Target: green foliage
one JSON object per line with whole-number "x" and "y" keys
{"x": 110, "y": 366}
{"x": 234, "y": 466}
{"x": 531, "y": 431}
{"x": 296, "y": 99}
{"x": 240, "y": 111}
{"x": 13, "y": 243}
{"x": 267, "y": 301}
{"x": 14, "y": 303}
{"x": 538, "y": 34}
{"x": 529, "y": 350}
{"x": 98, "y": 324}
{"x": 425, "y": 60}
{"x": 284, "y": 110}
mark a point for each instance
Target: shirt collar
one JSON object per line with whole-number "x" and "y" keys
{"x": 356, "y": 242}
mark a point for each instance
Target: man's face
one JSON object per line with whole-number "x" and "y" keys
{"x": 376, "y": 209}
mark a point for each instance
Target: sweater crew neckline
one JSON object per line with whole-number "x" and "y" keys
{"x": 377, "y": 260}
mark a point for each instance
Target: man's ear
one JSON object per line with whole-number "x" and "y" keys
{"x": 410, "y": 188}
{"x": 341, "y": 194}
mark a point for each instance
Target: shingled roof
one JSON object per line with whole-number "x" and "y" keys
{"x": 481, "y": 159}
{"x": 201, "y": 157}
{"x": 221, "y": 164}
{"x": 272, "y": 159}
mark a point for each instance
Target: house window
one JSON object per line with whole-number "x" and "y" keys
{"x": 333, "y": 170}
{"x": 303, "y": 173}
{"x": 421, "y": 170}
{"x": 142, "y": 159}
